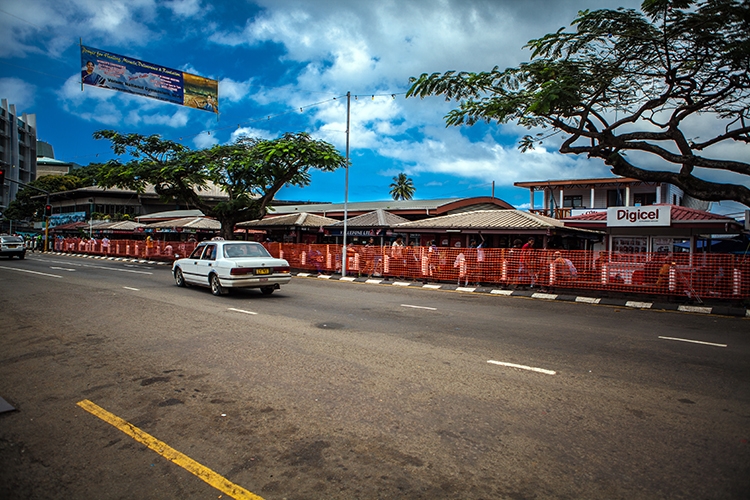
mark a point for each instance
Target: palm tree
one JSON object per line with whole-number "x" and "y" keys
{"x": 402, "y": 188}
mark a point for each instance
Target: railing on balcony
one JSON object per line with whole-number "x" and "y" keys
{"x": 555, "y": 213}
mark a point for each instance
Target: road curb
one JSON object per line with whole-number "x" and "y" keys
{"x": 114, "y": 259}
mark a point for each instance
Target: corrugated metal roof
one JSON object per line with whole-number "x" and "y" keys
{"x": 486, "y": 219}
{"x": 579, "y": 182}
{"x": 123, "y": 225}
{"x": 187, "y": 222}
{"x": 303, "y": 219}
{"x": 171, "y": 214}
{"x": 367, "y": 205}
{"x": 376, "y": 218}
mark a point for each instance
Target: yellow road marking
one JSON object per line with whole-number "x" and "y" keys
{"x": 207, "y": 475}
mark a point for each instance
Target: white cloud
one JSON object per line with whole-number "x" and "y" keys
{"x": 115, "y": 109}
{"x": 252, "y": 133}
{"x": 17, "y": 92}
{"x": 205, "y": 140}
{"x": 186, "y": 8}
{"x": 233, "y": 91}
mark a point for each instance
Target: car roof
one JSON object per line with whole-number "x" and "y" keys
{"x": 224, "y": 242}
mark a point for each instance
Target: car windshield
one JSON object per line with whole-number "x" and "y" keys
{"x": 197, "y": 252}
{"x": 239, "y": 250}
{"x": 12, "y": 239}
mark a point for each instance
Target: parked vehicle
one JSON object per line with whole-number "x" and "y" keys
{"x": 12, "y": 246}
{"x": 223, "y": 265}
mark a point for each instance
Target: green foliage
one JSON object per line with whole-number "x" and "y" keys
{"x": 250, "y": 171}
{"x": 624, "y": 80}
{"x": 402, "y": 187}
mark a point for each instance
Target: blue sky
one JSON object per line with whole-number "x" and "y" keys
{"x": 286, "y": 66}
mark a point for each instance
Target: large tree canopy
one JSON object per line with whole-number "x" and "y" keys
{"x": 632, "y": 88}
{"x": 250, "y": 171}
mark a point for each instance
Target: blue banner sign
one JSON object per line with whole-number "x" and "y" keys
{"x": 104, "y": 69}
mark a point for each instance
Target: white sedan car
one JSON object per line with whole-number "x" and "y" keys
{"x": 222, "y": 265}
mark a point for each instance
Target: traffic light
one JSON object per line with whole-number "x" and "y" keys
{"x": 2, "y": 176}
{"x": 47, "y": 210}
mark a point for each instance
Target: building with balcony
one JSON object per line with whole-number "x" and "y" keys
{"x": 566, "y": 198}
{"x": 17, "y": 150}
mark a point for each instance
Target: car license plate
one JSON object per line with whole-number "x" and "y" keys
{"x": 263, "y": 270}
{"x": 13, "y": 246}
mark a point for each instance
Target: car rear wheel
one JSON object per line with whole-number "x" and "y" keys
{"x": 267, "y": 290}
{"x": 22, "y": 256}
{"x": 216, "y": 287}
{"x": 179, "y": 278}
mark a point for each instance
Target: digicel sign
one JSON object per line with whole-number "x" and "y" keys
{"x": 639, "y": 216}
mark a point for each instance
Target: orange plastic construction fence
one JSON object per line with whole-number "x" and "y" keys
{"x": 697, "y": 276}
{"x": 137, "y": 249}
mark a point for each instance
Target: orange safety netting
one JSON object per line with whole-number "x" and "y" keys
{"x": 698, "y": 276}
{"x": 139, "y": 249}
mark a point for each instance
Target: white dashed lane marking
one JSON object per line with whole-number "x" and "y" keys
{"x": 419, "y": 307}
{"x": 523, "y": 367}
{"x": 693, "y": 341}
{"x": 241, "y": 311}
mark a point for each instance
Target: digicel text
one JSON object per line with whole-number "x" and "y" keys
{"x": 638, "y": 215}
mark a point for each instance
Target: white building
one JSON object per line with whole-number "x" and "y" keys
{"x": 17, "y": 151}
{"x": 565, "y": 198}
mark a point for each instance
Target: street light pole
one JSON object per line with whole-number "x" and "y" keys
{"x": 344, "y": 256}
{"x": 91, "y": 217}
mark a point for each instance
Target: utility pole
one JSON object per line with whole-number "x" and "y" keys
{"x": 344, "y": 256}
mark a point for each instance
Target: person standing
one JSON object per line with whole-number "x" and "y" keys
{"x": 397, "y": 256}
{"x": 528, "y": 260}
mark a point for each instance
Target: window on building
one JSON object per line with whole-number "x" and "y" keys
{"x": 572, "y": 201}
{"x": 641, "y": 199}
{"x": 615, "y": 197}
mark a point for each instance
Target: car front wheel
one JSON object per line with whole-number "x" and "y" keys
{"x": 179, "y": 278}
{"x": 216, "y": 287}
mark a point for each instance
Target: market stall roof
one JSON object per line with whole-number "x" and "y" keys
{"x": 489, "y": 220}
{"x": 168, "y": 215}
{"x": 409, "y": 208}
{"x": 376, "y": 218}
{"x": 187, "y": 223}
{"x": 303, "y": 219}
{"x": 123, "y": 225}
{"x": 73, "y": 226}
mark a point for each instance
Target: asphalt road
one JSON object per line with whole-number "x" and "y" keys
{"x": 347, "y": 390}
